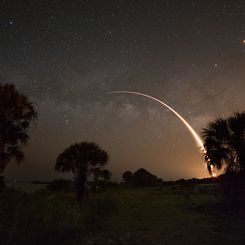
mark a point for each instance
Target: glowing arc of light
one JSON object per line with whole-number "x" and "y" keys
{"x": 189, "y": 127}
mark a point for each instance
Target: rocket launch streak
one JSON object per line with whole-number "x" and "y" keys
{"x": 189, "y": 127}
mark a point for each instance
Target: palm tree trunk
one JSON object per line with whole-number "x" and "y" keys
{"x": 94, "y": 184}
{"x": 80, "y": 182}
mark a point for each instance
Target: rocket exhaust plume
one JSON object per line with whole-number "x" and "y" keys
{"x": 194, "y": 134}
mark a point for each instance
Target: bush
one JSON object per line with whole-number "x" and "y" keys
{"x": 38, "y": 219}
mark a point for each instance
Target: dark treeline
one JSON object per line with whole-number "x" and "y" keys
{"x": 141, "y": 178}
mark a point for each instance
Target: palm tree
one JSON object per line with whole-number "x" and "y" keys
{"x": 16, "y": 114}
{"x": 81, "y": 159}
{"x": 224, "y": 141}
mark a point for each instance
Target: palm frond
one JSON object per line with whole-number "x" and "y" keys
{"x": 225, "y": 144}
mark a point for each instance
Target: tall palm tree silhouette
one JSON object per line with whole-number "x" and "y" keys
{"x": 224, "y": 141}
{"x": 81, "y": 159}
{"x": 16, "y": 114}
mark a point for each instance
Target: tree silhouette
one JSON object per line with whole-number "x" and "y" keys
{"x": 100, "y": 178}
{"x": 143, "y": 178}
{"x": 224, "y": 141}
{"x": 127, "y": 178}
{"x": 105, "y": 175}
{"x": 16, "y": 114}
{"x": 81, "y": 159}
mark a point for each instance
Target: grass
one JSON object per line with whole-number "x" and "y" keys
{"x": 169, "y": 215}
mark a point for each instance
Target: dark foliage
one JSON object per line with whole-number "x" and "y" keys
{"x": 140, "y": 178}
{"x": 81, "y": 159}
{"x": 127, "y": 178}
{"x": 224, "y": 141}
{"x": 16, "y": 114}
{"x": 143, "y": 178}
{"x": 101, "y": 179}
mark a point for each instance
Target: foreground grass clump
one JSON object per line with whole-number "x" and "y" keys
{"x": 38, "y": 219}
{"x": 169, "y": 215}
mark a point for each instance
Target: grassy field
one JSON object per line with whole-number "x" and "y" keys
{"x": 168, "y": 215}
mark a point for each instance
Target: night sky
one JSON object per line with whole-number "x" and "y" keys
{"x": 66, "y": 56}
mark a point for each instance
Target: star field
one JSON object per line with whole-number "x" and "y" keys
{"x": 66, "y": 56}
